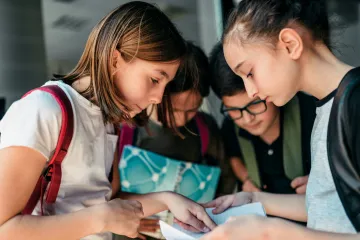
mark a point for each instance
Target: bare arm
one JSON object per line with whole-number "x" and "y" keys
{"x": 281, "y": 230}
{"x": 261, "y": 228}
{"x": 290, "y": 206}
{"x": 152, "y": 202}
{"x": 17, "y": 183}
{"x": 239, "y": 168}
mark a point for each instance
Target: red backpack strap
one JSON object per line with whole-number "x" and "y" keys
{"x": 204, "y": 133}
{"x": 126, "y": 136}
{"x": 52, "y": 173}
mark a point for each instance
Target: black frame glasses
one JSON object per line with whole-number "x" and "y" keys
{"x": 225, "y": 111}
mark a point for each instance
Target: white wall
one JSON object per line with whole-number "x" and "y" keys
{"x": 210, "y": 28}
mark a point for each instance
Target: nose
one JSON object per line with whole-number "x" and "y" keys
{"x": 157, "y": 95}
{"x": 251, "y": 88}
{"x": 247, "y": 117}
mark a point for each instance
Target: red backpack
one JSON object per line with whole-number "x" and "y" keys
{"x": 52, "y": 173}
{"x": 51, "y": 177}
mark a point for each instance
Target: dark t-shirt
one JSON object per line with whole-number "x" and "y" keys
{"x": 164, "y": 142}
{"x": 270, "y": 157}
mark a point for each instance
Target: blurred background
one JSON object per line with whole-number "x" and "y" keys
{"x": 42, "y": 37}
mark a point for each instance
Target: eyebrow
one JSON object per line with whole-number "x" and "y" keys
{"x": 163, "y": 73}
{"x": 238, "y": 66}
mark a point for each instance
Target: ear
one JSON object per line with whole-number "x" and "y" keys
{"x": 116, "y": 59}
{"x": 291, "y": 40}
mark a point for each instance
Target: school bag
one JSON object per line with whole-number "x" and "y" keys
{"x": 50, "y": 178}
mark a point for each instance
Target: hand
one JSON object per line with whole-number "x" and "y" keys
{"x": 121, "y": 217}
{"x": 149, "y": 225}
{"x": 222, "y": 203}
{"x": 251, "y": 227}
{"x": 249, "y": 186}
{"x": 188, "y": 214}
{"x": 300, "y": 184}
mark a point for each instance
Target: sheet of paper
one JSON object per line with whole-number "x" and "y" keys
{"x": 175, "y": 232}
{"x": 171, "y": 233}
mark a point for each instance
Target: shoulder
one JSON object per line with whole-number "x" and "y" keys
{"x": 37, "y": 102}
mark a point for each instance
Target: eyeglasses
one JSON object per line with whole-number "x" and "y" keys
{"x": 254, "y": 108}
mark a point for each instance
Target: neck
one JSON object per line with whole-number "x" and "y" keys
{"x": 81, "y": 84}
{"x": 322, "y": 72}
{"x": 273, "y": 132}
{"x": 153, "y": 114}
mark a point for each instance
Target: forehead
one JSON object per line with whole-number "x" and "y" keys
{"x": 234, "y": 53}
{"x": 187, "y": 100}
{"x": 168, "y": 68}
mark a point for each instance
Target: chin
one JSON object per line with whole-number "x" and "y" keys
{"x": 279, "y": 102}
{"x": 257, "y": 132}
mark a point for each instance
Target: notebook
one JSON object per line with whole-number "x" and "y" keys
{"x": 175, "y": 232}
{"x": 143, "y": 171}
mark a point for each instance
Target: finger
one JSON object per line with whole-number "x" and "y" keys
{"x": 210, "y": 204}
{"x": 149, "y": 229}
{"x": 149, "y": 221}
{"x": 196, "y": 223}
{"x": 301, "y": 190}
{"x": 141, "y": 236}
{"x": 224, "y": 205}
{"x": 214, "y": 203}
{"x": 298, "y": 181}
{"x": 204, "y": 217}
{"x": 294, "y": 183}
{"x": 187, "y": 227}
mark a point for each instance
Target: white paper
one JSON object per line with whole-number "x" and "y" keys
{"x": 175, "y": 232}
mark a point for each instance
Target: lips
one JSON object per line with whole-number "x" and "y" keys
{"x": 253, "y": 125}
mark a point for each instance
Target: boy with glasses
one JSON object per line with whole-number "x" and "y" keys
{"x": 268, "y": 147}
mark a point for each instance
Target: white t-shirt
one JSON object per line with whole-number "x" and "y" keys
{"x": 324, "y": 207}
{"x": 35, "y": 121}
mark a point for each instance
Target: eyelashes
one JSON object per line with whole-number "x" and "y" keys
{"x": 154, "y": 81}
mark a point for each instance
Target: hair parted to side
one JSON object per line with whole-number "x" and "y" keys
{"x": 255, "y": 20}
{"x": 224, "y": 81}
{"x": 137, "y": 30}
{"x": 184, "y": 80}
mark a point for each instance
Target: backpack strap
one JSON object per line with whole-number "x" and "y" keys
{"x": 126, "y": 136}
{"x": 204, "y": 133}
{"x": 292, "y": 145}
{"x": 52, "y": 174}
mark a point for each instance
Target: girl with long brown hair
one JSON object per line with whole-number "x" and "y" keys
{"x": 129, "y": 58}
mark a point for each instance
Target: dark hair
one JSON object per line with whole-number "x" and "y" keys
{"x": 184, "y": 80}
{"x": 224, "y": 81}
{"x": 137, "y": 30}
{"x": 266, "y": 18}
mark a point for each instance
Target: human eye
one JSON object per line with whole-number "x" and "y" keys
{"x": 154, "y": 81}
